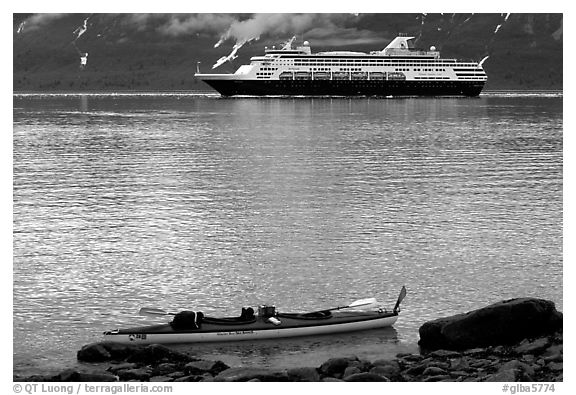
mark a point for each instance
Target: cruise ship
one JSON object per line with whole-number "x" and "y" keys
{"x": 397, "y": 70}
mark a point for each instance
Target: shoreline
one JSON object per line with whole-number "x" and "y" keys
{"x": 513, "y": 340}
{"x": 538, "y": 359}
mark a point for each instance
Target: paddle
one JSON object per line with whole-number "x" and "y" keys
{"x": 400, "y": 299}
{"x": 153, "y": 311}
{"x": 356, "y": 303}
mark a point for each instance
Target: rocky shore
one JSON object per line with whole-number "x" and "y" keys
{"x": 515, "y": 340}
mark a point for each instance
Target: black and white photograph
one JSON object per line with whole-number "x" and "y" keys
{"x": 282, "y": 196}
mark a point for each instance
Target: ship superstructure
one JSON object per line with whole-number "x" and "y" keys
{"x": 397, "y": 70}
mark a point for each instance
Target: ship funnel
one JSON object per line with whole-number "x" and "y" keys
{"x": 400, "y": 42}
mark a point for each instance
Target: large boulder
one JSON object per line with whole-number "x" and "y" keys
{"x": 505, "y": 322}
{"x": 111, "y": 351}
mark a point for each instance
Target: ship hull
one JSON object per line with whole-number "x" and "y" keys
{"x": 229, "y": 87}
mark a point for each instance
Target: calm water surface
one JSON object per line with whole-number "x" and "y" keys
{"x": 205, "y": 203}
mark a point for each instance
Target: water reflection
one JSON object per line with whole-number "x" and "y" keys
{"x": 371, "y": 344}
{"x": 83, "y": 103}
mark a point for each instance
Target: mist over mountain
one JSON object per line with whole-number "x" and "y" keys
{"x": 117, "y": 52}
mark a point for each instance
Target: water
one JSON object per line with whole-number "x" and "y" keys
{"x": 198, "y": 202}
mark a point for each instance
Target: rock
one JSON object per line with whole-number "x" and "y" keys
{"x": 473, "y": 379}
{"x": 155, "y": 353}
{"x": 439, "y": 377}
{"x": 410, "y": 357}
{"x": 141, "y": 374}
{"x": 362, "y": 365}
{"x": 474, "y": 352}
{"x": 500, "y": 350}
{"x": 161, "y": 379}
{"x": 536, "y": 367}
{"x": 247, "y": 374}
{"x": 555, "y": 358}
{"x": 439, "y": 364}
{"x": 528, "y": 358}
{"x": 514, "y": 364}
{"x": 207, "y": 377}
{"x": 443, "y": 354}
{"x": 558, "y": 337}
{"x": 335, "y": 366}
{"x": 416, "y": 370}
{"x": 459, "y": 373}
{"x": 365, "y": 377}
{"x": 33, "y": 378}
{"x": 433, "y": 371}
{"x": 524, "y": 372}
{"x": 73, "y": 375}
{"x": 349, "y": 371}
{"x": 559, "y": 378}
{"x": 201, "y": 367}
{"x": 95, "y": 352}
{"x": 555, "y": 366}
{"x": 121, "y": 366}
{"x": 513, "y": 370}
{"x": 176, "y": 375}
{"x": 96, "y": 377}
{"x": 386, "y": 362}
{"x": 189, "y": 378}
{"x": 480, "y": 363}
{"x": 388, "y": 371}
{"x": 303, "y": 374}
{"x": 387, "y": 368}
{"x": 532, "y": 347}
{"x": 503, "y": 376}
{"x": 553, "y": 353}
{"x": 504, "y": 322}
{"x": 218, "y": 367}
{"x": 459, "y": 364}
{"x": 111, "y": 351}
{"x": 105, "y": 351}
{"x": 330, "y": 379}
{"x": 164, "y": 369}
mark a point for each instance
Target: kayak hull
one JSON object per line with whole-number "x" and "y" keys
{"x": 260, "y": 329}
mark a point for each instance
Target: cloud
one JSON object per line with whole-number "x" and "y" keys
{"x": 187, "y": 24}
{"x": 325, "y": 29}
{"x": 37, "y": 21}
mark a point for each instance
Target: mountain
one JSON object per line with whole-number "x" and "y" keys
{"x": 161, "y": 51}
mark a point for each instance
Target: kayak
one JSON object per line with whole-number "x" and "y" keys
{"x": 194, "y": 327}
{"x": 286, "y": 325}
